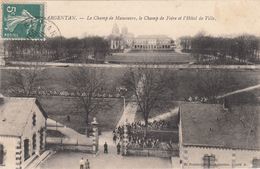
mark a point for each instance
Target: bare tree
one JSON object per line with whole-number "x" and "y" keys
{"x": 147, "y": 85}
{"x": 24, "y": 81}
{"x": 87, "y": 83}
{"x": 210, "y": 84}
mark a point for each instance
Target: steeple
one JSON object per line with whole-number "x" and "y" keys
{"x": 115, "y": 29}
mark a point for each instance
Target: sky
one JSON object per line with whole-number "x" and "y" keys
{"x": 230, "y": 17}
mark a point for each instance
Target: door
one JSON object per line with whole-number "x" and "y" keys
{"x": 26, "y": 149}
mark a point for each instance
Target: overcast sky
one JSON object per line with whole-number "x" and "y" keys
{"x": 232, "y": 17}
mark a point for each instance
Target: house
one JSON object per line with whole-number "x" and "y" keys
{"x": 22, "y": 131}
{"x": 213, "y": 136}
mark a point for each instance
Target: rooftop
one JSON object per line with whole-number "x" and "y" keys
{"x": 14, "y": 113}
{"x": 152, "y": 37}
{"x": 211, "y": 125}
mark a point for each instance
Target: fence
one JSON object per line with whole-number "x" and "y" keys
{"x": 65, "y": 144}
{"x": 152, "y": 152}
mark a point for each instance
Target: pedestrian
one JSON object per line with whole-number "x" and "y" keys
{"x": 81, "y": 163}
{"x": 118, "y": 148}
{"x": 87, "y": 164}
{"x": 105, "y": 148}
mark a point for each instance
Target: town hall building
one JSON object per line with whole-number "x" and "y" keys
{"x": 121, "y": 41}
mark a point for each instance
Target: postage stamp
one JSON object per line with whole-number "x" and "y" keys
{"x": 23, "y": 21}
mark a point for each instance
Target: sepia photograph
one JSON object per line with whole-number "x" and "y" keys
{"x": 113, "y": 84}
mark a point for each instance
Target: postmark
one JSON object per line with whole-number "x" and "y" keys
{"x": 23, "y": 21}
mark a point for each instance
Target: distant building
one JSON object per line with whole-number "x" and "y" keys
{"x": 212, "y": 136}
{"x": 125, "y": 40}
{"x": 153, "y": 42}
{"x": 115, "y": 38}
{"x": 22, "y": 131}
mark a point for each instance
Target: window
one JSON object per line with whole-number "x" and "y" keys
{"x": 34, "y": 120}
{"x": 256, "y": 163}
{"x": 41, "y": 139}
{"x": 1, "y": 154}
{"x": 34, "y": 143}
{"x": 209, "y": 161}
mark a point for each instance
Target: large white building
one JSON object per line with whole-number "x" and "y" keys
{"x": 212, "y": 136}
{"x": 153, "y": 42}
{"x": 22, "y": 131}
{"x": 120, "y": 41}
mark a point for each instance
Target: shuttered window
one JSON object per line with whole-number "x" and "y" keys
{"x": 209, "y": 161}
{"x": 1, "y": 154}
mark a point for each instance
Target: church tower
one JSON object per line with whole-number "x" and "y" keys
{"x": 115, "y": 29}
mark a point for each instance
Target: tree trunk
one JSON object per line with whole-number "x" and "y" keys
{"x": 86, "y": 129}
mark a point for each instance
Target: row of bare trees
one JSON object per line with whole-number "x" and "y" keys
{"x": 242, "y": 49}
{"x": 150, "y": 87}
{"x": 58, "y": 49}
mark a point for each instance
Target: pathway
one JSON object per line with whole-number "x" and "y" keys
{"x": 161, "y": 66}
{"x": 72, "y": 136}
{"x": 239, "y": 91}
{"x": 128, "y": 114}
{"x": 165, "y": 116}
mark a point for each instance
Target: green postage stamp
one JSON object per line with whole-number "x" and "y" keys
{"x": 23, "y": 21}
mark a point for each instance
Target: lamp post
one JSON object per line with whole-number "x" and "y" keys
{"x": 122, "y": 91}
{"x": 124, "y": 103}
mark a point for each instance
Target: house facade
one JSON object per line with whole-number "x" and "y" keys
{"x": 153, "y": 42}
{"x": 119, "y": 41}
{"x": 22, "y": 131}
{"x": 211, "y": 136}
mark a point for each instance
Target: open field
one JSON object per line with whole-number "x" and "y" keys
{"x": 59, "y": 107}
{"x": 184, "y": 80}
{"x": 150, "y": 57}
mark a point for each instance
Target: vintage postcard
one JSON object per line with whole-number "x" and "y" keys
{"x": 130, "y": 84}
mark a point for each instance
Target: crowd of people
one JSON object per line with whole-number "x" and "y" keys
{"x": 197, "y": 99}
{"x": 137, "y": 138}
{"x": 155, "y": 125}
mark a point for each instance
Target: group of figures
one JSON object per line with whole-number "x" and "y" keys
{"x": 84, "y": 164}
{"x": 154, "y": 125}
{"x": 197, "y": 99}
{"x": 46, "y": 92}
{"x": 150, "y": 136}
{"x": 118, "y": 147}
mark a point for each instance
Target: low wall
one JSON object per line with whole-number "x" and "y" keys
{"x": 64, "y": 144}
{"x": 71, "y": 147}
{"x": 152, "y": 152}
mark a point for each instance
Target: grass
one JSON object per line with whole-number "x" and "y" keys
{"x": 54, "y": 133}
{"x": 150, "y": 57}
{"x": 161, "y": 109}
{"x": 58, "y": 108}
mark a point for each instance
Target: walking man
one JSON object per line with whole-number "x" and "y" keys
{"x": 118, "y": 148}
{"x": 87, "y": 164}
{"x": 105, "y": 148}
{"x": 81, "y": 163}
